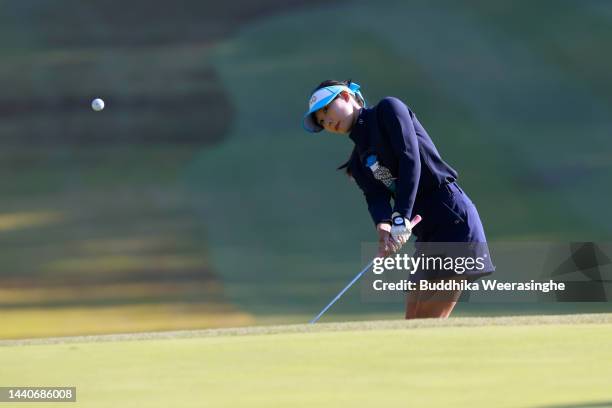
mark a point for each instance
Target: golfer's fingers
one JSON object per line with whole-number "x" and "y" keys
{"x": 400, "y": 244}
{"x": 389, "y": 244}
{"x": 383, "y": 247}
{"x": 399, "y": 240}
{"x": 396, "y": 245}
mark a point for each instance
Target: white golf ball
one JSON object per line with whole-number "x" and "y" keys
{"x": 97, "y": 104}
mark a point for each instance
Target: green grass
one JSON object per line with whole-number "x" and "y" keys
{"x": 502, "y": 362}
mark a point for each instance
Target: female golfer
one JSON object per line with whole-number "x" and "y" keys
{"x": 394, "y": 158}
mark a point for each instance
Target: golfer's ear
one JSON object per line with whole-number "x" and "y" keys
{"x": 345, "y": 95}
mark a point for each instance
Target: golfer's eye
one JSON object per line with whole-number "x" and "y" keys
{"x": 324, "y": 110}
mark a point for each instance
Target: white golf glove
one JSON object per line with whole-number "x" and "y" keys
{"x": 400, "y": 228}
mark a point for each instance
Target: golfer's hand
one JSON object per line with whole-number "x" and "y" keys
{"x": 386, "y": 244}
{"x": 401, "y": 228}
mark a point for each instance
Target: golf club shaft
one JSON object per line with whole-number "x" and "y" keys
{"x": 414, "y": 222}
{"x": 355, "y": 279}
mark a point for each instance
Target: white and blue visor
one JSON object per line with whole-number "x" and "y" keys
{"x": 322, "y": 97}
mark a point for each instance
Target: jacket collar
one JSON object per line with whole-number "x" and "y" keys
{"x": 359, "y": 135}
{"x": 359, "y": 132}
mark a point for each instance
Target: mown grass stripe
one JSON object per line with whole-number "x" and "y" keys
{"x": 602, "y": 318}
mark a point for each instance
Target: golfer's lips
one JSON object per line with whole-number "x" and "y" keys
{"x": 337, "y": 126}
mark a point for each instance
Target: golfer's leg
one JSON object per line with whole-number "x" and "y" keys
{"x": 437, "y": 308}
{"x": 412, "y": 303}
{"x": 432, "y": 303}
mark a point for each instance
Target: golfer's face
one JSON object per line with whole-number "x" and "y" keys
{"x": 337, "y": 116}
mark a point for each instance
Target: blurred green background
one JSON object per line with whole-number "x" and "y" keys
{"x": 196, "y": 200}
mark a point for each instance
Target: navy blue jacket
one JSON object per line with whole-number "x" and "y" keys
{"x": 394, "y": 157}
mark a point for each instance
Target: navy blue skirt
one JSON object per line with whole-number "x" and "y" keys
{"x": 450, "y": 235}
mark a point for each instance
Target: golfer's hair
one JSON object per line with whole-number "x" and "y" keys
{"x": 332, "y": 82}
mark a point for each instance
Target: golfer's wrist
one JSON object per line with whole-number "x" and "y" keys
{"x": 398, "y": 219}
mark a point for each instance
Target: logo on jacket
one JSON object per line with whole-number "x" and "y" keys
{"x": 381, "y": 173}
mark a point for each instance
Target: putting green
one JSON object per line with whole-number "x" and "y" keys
{"x": 542, "y": 361}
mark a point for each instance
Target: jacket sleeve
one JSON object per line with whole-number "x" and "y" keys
{"x": 396, "y": 121}
{"x": 377, "y": 196}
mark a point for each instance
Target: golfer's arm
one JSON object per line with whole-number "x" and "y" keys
{"x": 398, "y": 124}
{"x": 377, "y": 197}
{"x": 379, "y": 207}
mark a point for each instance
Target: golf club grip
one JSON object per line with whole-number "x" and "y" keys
{"x": 417, "y": 218}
